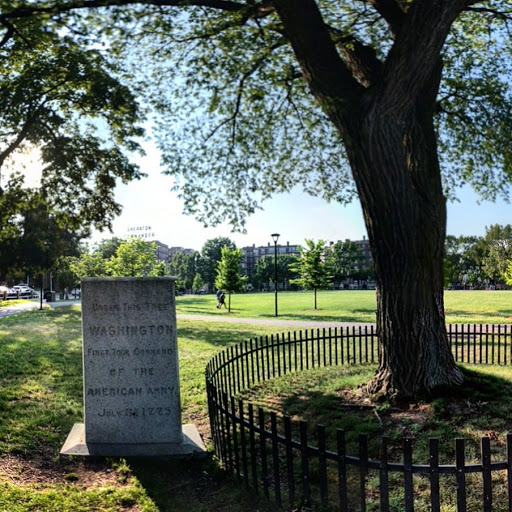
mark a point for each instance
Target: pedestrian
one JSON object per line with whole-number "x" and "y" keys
{"x": 222, "y": 302}
{"x": 218, "y": 294}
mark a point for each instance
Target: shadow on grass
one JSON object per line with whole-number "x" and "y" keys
{"x": 40, "y": 378}
{"x": 355, "y": 316}
{"x": 480, "y": 407}
{"x": 505, "y": 314}
{"x": 220, "y": 335}
{"x": 194, "y": 485}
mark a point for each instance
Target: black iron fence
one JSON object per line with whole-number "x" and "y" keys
{"x": 302, "y": 467}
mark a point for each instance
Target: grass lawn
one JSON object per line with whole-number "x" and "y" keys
{"x": 332, "y": 397}
{"x": 41, "y": 398}
{"x": 348, "y": 306}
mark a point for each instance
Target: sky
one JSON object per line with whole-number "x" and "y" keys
{"x": 295, "y": 216}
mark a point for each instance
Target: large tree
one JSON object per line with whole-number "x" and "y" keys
{"x": 66, "y": 121}
{"x": 259, "y": 96}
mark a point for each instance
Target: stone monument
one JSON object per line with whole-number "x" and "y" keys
{"x": 131, "y": 373}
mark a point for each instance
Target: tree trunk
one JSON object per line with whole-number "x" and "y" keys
{"x": 396, "y": 169}
{"x": 384, "y": 112}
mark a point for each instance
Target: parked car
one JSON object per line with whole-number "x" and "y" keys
{"x": 24, "y": 291}
{"x": 76, "y": 293}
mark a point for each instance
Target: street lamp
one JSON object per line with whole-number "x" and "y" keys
{"x": 275, "y": 237}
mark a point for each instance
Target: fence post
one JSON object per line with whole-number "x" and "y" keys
{"x": 342, "y": 471}
{"x": 275, "y": 457}
{"x": 363, "y": 468}
{"x": 383, "y": 476}
{"x": 243, "y": 444}
{"x": 289, "y": 459}
{"x": 434, "y": 475}
{"x": 408, "y": 480}
{"x": 252, "y": 445}
{"x": 322, "y": 463}
{"x": 460, "y": 475}
{"x": 263, "y": 450}
{"x": 486, "y": 474}
{"x": 305, "y": 461}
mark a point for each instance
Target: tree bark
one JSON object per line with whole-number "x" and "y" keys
{"x": 394, "y": 160}
{"x": 386, "y": 121}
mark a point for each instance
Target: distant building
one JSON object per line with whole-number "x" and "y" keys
{"x": 182, "y": 250}
{"x": 162, "y": 251}
{"x": 252, "y": 254}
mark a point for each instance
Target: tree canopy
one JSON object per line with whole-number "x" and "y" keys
{"x": 401, "y": 101}
{"x": 67, "y": 123}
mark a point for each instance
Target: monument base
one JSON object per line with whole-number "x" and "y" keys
{"x": 192, "y": 446}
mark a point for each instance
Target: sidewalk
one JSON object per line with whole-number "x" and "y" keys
{"x": 29, "y": 306}
{"x": 20, "y": 308}
{"x": 306, "y": 324}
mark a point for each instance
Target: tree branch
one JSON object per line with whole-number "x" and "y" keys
{"x": 391, "y": 11}
{"x": 415, "y": 55}
{"x": 8, "y": 34}
{"x": 322, "y": 67}
{"x": 260, "y": 9}
{"x": 361, "y": 60}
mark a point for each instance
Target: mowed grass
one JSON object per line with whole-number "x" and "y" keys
{"x": 485, "y": 307}
{"x": 333, "y": 397}
{"x": 41, "y": 398}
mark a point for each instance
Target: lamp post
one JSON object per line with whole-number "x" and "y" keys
{"x": 275, "y": 237}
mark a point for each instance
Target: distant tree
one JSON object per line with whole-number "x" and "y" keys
{"x": 108, "y": 247}
{"x": 135, "y": 258}
{"x": 508, "y": 274}
{"x": 345, "y": 260}
{"x": 264, "y": 270}
{"x": 88, "y": 265}
{"x": 499, "y": 252}
{"x": 34, "y": 238}
{"x": 314, "y": 273}
{"x": 229, "y": 278}
{"x": 210, "y": 257}
{"x": 463, "y": 257}
{"x": 198, "y": 283}
{"x": 184, "y": 267}
{"x": 66, "y": 279}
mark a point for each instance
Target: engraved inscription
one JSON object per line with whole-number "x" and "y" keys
{"x": 109, "y": 352}
{"x": 162, "y": 390}
{"x": 129, "y": 330}
{"x": 135, "y": 412}
{"x": 127, "y": 307}
{"x": 130, "y": 354}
